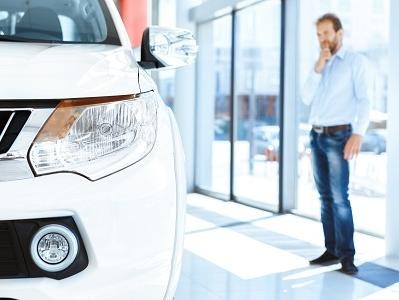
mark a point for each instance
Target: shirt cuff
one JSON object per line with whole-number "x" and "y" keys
{"x": 360, "y": 129}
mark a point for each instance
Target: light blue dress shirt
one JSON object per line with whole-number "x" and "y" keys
{"x": 341, "y": 93}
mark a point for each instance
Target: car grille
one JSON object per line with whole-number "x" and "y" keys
{"x": 11, "y": 123}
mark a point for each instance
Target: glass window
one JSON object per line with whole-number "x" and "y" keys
{"x": 62, "y": 21}
{"x": 166, "y": 78}
{"x": 257, "y": 102}
{"x": 4, "y": 22}
{"x": 166, "y": 86}
{"x": 166, "y": 12}
{"x": 366, "y": 24}
{"x": 213, "y": 114}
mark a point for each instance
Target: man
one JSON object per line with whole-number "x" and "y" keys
{"x": 338, "y": 91}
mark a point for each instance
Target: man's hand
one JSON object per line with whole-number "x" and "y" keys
{"x": 325, "y": 55}
{"x": 352, "y": 146}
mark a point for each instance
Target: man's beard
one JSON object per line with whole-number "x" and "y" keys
{"x": 332, "y": 46}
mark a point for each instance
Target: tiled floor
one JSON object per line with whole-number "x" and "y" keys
{"x": 233, "y": 252}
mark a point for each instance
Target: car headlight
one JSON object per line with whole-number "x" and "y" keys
{"x": 96, "y": 137}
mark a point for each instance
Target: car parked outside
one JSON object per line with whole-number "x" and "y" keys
{"x": 267, "y": 141}
{"x": 374, "y": 141}
{"x": 92, "y": 178}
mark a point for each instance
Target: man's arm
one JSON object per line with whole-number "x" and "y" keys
{"x": 314, "y": 78}
{"x": 310, "y": 88}
{"x": 363, "y": 91}
{"x": 352, "y": 146}
{"x": 363, "y": 86}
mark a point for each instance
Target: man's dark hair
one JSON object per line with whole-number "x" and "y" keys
{"x": 332, "y": 18}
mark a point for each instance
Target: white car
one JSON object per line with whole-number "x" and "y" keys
{"x": 92, "y": 185}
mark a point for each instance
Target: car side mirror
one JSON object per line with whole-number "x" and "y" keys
{"x": 164, "y": 47}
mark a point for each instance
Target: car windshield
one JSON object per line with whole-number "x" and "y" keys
{"x": 57, "y": 21}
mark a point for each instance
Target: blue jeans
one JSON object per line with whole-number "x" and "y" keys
{"x": 331, "y": 174}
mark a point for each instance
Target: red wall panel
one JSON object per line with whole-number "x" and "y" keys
{"x": 134, "y": 15}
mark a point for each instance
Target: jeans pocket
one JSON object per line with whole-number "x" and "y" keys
{"x": 341, "y": 135}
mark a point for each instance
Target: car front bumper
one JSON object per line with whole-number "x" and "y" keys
{"x": 131, "y": 223}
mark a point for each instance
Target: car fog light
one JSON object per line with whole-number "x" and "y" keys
{"x": 54, "y": 248}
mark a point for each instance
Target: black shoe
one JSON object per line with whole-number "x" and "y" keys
{"x": 348, "y": 267}
{"x": 325, "y": 258}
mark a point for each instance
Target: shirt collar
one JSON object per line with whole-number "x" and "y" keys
{"x": 341, "y": 52}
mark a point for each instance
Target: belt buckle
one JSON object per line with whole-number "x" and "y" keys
{"x": 318, "y": 129}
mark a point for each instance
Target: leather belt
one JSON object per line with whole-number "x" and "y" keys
{"x": 331, "y": 129}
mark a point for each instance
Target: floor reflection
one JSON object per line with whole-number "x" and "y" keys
{"x": 239, "y": 253}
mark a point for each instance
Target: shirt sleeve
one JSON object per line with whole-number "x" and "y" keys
{"x": 363, "y": 87}
{"x": 310, "y": 88}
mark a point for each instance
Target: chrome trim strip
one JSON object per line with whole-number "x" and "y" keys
{"x": 15, "y": 109}
{"x": 14, "y": 164}
{"x": 7, "y": 125}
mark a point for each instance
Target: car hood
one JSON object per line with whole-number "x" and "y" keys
{"x": 59, "y": 71}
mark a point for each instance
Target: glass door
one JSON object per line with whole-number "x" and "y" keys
{"x": 240, "y": 109}
{"x": 213, "y": 107}
{"x": 257, "y": 104}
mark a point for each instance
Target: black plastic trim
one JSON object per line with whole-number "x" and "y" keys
{"x": 17, "y": 235}
{"x": 14, "y": 128}
{"x": 148, "y": 60}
